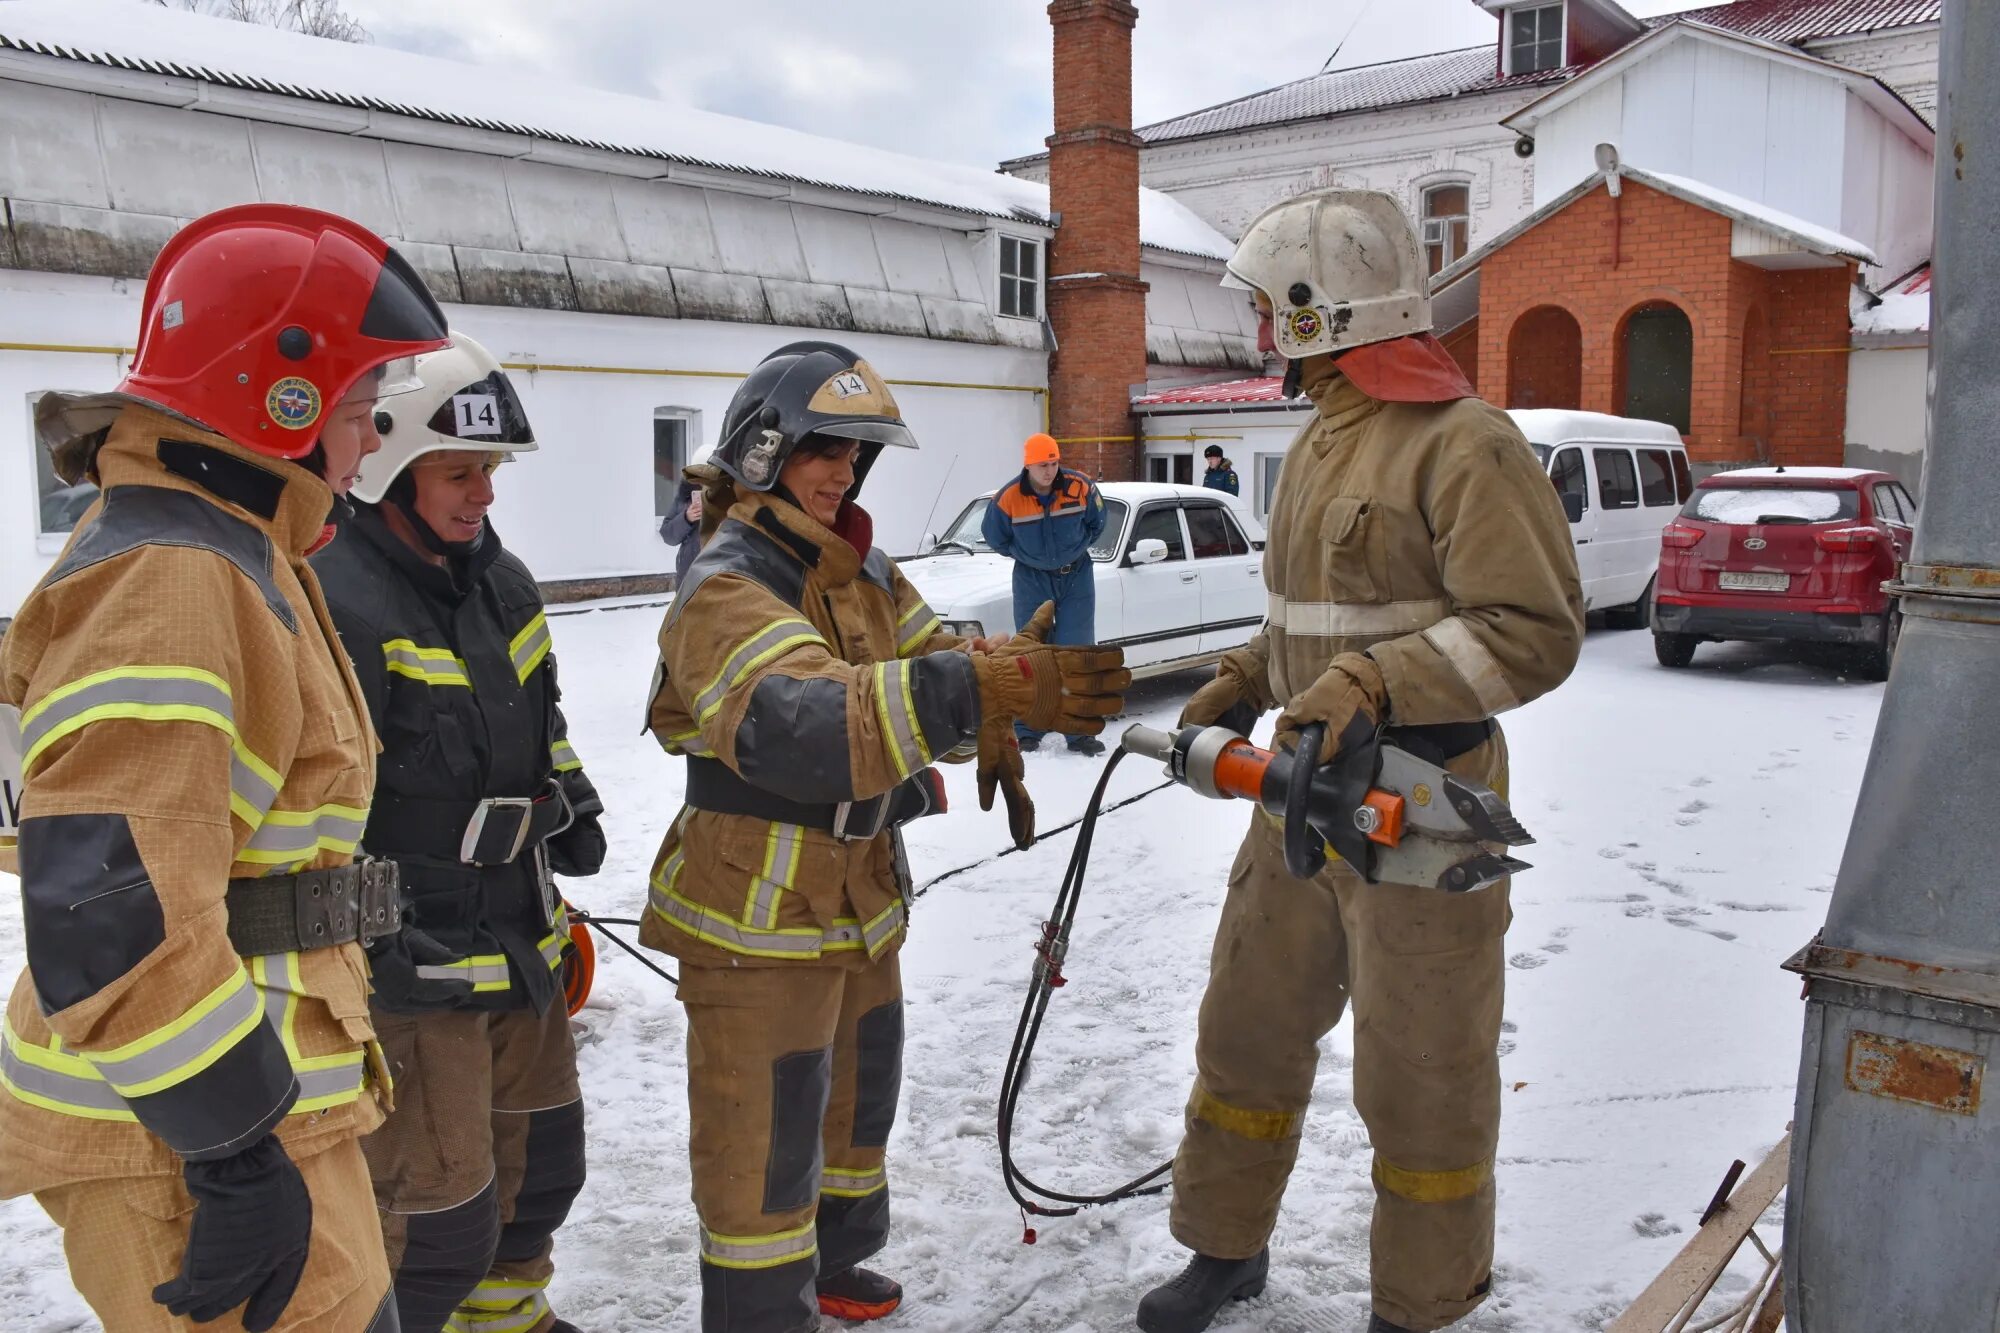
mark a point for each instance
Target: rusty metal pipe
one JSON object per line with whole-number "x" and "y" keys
{"x": 1894, "y": 1194}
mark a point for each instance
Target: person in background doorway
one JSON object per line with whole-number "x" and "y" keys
{"x": 682, "y": 529}
{"x": 1045, "y": 521}
{"x": 1221, "y": 474}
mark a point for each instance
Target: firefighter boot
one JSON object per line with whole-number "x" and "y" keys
{"x": 1377, "y": 1324}
{"x": 1190, "y": 1302}
{"x": 858, "y": 1295}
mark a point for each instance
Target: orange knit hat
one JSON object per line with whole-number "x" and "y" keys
{"x": 1041, "y": 449}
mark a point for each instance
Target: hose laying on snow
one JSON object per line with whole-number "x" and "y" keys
{"x": 598, "y": 924}
{"x": 1049, "y": 955}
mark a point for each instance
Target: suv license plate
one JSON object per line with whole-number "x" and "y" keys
{"x": 1735, "y": 582}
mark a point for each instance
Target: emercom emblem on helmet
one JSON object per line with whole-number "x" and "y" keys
{"x": 760, "y": 461}
{"x": 293, "y": 403}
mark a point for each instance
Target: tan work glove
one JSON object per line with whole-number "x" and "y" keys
{"x": 999, "y": 765}
{"x": 1350, "y": 687}
{"x": 1071, "y": 690}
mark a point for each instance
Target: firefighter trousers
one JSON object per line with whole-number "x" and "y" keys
{"x": 478, "y": 1164}
{"x": 793, "y": 1077}
{"x": 125, "y": 1236}
{"x": 1424, "y": 970}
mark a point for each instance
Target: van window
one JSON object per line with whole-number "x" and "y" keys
{"x": 1683, "y": 479}
{"x": 1656, "y": 477}
{"x": 1569, "y": 476}
{"x": 1617, "y": 482}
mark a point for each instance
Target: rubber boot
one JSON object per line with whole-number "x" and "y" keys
{"x": 858, "y": 1295}
{"x": 1190, "y": 1302}
{"x": 1377, "y": 1324}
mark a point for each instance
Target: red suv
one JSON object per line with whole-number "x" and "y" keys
{"x": 1795, "y": 554}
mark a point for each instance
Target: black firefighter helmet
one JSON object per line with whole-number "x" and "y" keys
{"x": 802, "y": 389}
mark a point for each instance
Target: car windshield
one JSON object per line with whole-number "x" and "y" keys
{"x": 965, "y": 530}
{"x": 1772, "y": 504}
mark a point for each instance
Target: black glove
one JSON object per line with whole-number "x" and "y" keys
{"x": 248, "y": 1240}
{"x": 578, "y": 850}
{"x": 393, "y": 962}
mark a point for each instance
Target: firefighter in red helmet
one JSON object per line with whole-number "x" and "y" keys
{"x": 188, "y": 1063}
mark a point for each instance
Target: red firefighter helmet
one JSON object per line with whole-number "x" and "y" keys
{"x": 259, "y": 318}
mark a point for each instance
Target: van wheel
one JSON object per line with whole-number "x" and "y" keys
{"x": 1876, "y": 661}
{"x": 1674, "y": 650}
{"x": 1637, "y": 615}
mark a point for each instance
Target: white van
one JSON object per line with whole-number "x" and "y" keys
{"x": 1621, "y": 481}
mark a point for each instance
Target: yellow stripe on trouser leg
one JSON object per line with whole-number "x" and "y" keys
{"x": 1433, "y": 1186}
{"x": 780, "y": 1247}
{"x": 1257, "y": 1126}
{"x": 502, "y": 1305}
{"x": 847, "y": 1183}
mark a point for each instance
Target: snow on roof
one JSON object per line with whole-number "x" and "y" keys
{"x": 1262, "y": 389}
{"x": 1553, "y": 426}
{"x": 1797, "y": 21}
{"x": 162, "y": 41}
{"x": 1902, "y": 307}
{"x": 1790, "y": 474}
{"x": 1823, "y": 239}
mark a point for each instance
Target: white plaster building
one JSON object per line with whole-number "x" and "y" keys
{"x": 628, "y": 260}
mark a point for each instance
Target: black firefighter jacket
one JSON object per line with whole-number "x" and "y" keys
{"x": 456, "y": 667}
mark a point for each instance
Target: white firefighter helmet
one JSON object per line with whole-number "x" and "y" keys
{"x": 1340, "y": 268}
{"x": 466, "y": 402}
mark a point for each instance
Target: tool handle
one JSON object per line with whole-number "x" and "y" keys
{"x": 1305, "y": 849}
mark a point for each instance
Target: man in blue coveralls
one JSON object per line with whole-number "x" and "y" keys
{"x": 1045, "y": 520}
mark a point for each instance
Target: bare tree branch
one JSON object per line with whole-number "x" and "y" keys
{"x": 314, "y": 18}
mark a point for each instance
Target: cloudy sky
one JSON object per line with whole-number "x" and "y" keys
{"x": 961, "y": 80}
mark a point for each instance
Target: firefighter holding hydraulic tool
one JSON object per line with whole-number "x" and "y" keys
{"x": 1420, "y": 579}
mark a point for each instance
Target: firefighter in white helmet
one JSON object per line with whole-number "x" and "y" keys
{"x": 1420, "y": 578}
{"x": 479, "y": 799}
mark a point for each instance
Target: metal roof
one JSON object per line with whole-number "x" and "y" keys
{"x": 1474, "y": 69}
{"x": 1798, "y": 21}
{"x": 1262, "y": 389}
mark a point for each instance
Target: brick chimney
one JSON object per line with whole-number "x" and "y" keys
{"x": 1097, "y": 304}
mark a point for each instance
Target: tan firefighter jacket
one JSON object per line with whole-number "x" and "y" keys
{"x": 796, "y": 675}
{"x": 186, "y": 717}
{"x": 1427, "y": 536}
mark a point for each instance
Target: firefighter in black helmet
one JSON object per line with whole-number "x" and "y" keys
{"x": 811, "y": 690}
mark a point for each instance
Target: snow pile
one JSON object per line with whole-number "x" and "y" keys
{"x": 123, "y": 31}
{"x": 1893, "y": 312}
{"x": 1823, "y": 239}
{"x": 1650, "y": 1035}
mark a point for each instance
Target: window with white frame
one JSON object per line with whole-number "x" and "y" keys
{"x": 1534, "y": 39}
{"x": 676, "y": 435}
{"x": 1268, "y": 467}
{"x": 1447, "y": 224}
{"x": 1020, "y": 278}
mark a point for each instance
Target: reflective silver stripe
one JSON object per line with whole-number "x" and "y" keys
{"x": 120, "y": 687}
{"x": 899, "y": 718}
{"x": 564, "y": 756}
{"x": 482, "y": 972}
{"x": 781, "y": 865}
{"x": 917, "y": 624}
{"x": 883, "y": 928}
{"x": 852, "y": 1184}
{"x": 227, "y": 1015}
{"x": 1474, "y": 663}
{"x": 285, "y": 833}
{"x": 433, "y": 666}
{"x": 55, "y": 1091}
{"x": 332, "y": 1084}
{"x": 530, "y": 646}
{"x": 1333, "y": 620}
{"x": 687, "y": 742}
{"x": 759, "y": 1251}
{"x": 248, "y": 783}
{"x": 715, "y": 928}
{"x": 766, "y": 641}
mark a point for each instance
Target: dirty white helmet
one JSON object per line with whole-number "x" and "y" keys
{"x": 465, "y": 402}
{"x": 1340, "y": 267}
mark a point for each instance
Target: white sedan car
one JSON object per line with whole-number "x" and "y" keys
{"x": 1179, "y": 569}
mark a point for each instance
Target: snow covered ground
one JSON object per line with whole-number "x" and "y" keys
{"x": 1690, "y": 826}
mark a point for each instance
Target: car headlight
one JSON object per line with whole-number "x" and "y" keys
{"x": 965, "y": 629}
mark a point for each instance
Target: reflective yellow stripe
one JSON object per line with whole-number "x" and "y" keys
{"x": 563, "y": 755}
{"x": 486, "y": 971}
{"x": 926, "y": 624}
{"x": 687, "y": 742}
{"x": 551, "y": 947}
{"x": 897, "y": 710}
{"x": 750, "y": 1252}
{"x": 775, "y": 639}
{"x": 530, "y": 646}
{"x": 782, "y": 847}
{"x": 289, "y": 837}
{"x": 501, "y": 1305}
{"x": 842, "y": 1183}
{"x": 1433, "y": 1186}
{"x": 175, "y": 1052}
{"x": 1257, "y": 1126}
{"x": 796, "y": 942}
{"x": 432, "y": 666}
{"x": 136, "y": 693}
{"x": 324, "y": 1080}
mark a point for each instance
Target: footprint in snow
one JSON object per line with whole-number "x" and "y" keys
{"x": 1702, "y": 781}
{"x": 1641, "y": 908}
{"x": 1758, "y": 907}
{"x": 1611, "y": 853}
{"x": 1528, "y": 961}
{"x": 1655, "y": 1225}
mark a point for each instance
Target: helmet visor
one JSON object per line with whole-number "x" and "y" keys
{"x": 390, "y": 378}
{"x": 486, "y": 412}
{"x": 401, "y": 309}
{"x": 869, "y": 430}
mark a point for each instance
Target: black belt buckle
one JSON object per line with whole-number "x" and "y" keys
{"x": 326, "y": 907}
{"x": 380, "y": 913}
{"x": 858, "y": 821}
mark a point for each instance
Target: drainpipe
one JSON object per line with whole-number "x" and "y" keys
{"x": 1894, "y": 1197}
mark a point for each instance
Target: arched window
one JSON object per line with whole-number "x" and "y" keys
{"x": 1545, "y": 360}
{"x": 1657, "y": 352}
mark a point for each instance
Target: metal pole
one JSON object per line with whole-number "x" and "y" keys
{"x": 1894, "y": 1203}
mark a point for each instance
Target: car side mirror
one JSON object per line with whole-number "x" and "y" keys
{"x": 1572, "y": 506}
{"x": 1148, "y": 551}
{"x": 927, "y": 543}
